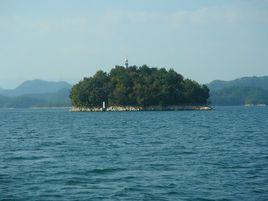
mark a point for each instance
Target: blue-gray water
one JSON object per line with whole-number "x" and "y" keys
{"x": 182, "y": 155}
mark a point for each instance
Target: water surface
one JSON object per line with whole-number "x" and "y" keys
{"x": 180, "y": 155}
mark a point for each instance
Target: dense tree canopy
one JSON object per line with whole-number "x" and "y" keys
{"x": 138, "y": 86}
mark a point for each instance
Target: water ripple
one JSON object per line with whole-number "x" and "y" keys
{"x": 183, "y": 155}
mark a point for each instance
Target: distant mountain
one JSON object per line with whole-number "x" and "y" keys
{"x": 237, "y": 95}
{"x": 1, "y": 89}
{"x": 3, "y": 100}
{"x": 257, "y": 82}
{"x": 57, "y": 99}
{"x": 246, "y": 90}
{"x": 36, "y": 87}
{"x": 37, "y": 93}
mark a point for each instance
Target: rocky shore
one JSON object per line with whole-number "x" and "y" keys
{"x": 132, "y": 108}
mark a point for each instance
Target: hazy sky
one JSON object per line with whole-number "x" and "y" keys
{"x": 68, "y": 40}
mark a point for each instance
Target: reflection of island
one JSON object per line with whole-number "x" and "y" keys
{"x": 138, "y": 88}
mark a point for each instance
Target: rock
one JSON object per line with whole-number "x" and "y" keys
{"x": 132, "y": 108}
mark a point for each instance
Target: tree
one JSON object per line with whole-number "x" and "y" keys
{"x": 138, "y": 86}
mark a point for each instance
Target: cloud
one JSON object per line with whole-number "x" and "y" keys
{"x": 223, "y": 35}
{"x": 113, "y": 20}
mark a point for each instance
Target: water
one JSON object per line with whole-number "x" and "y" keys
{"x": 182, "y": 155}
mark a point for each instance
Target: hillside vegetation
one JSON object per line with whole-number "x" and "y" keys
{"x": 57, "y": 99}
{"x": 35, "y": 87}
{"x": 256, "y": 82}
{"x": 239, "y": 96}
{"x": 247, "y": 90}
{"x": 36, "y": 93}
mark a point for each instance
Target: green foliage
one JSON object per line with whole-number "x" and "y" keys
{"x": 138, "y": 86}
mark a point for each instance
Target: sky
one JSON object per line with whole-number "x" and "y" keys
{"x": 67, "y": 40}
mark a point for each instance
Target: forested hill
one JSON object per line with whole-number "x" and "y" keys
{"x": 256, "y": 82}
{"x": 236, "y": 95}
{"x": 138, "y": 86}
{"x": 246, "y": 90}
{"x": 36, "y": 93}
{"x": 35, "y": 87}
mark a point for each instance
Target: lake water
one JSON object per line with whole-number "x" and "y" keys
{"x": 181, "y": 155}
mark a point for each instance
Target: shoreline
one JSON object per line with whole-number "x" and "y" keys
{"x": 132, "y": 108}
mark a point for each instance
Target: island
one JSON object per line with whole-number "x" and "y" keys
{"x": 132, "y": 88}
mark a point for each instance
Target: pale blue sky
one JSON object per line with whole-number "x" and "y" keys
{"x": 67, "y": 40}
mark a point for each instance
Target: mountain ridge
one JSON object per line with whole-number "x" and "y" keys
{"x": 56, "y": 99}
{"x": 241, "y": 91}
{"x": 248, "y": 81}
{"x": 239, "y": 95}
{"x": 36, "y": 86}
{"x": 37, "y": 93}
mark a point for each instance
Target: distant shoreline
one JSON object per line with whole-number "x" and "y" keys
{"x": 132, "y": 108}
{"x": 34, "y": 108}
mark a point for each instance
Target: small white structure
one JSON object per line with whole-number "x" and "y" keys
{"x": 103, "y": 105}
{"x": 126, "y": 63}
